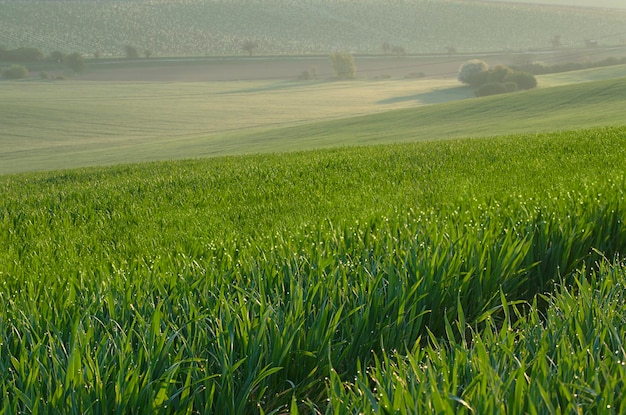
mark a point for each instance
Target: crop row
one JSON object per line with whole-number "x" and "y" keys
{"x": 220, "y": 28}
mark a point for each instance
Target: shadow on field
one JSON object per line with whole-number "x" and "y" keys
{"x": 433, "y": 97}
{"x": 279, "y": 86}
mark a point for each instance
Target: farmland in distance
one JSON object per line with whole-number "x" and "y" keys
{"x": 203, "y": 28}
{"x": 71, "y": 123}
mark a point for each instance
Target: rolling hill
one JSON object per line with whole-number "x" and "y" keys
{"x": 73, "y": 124}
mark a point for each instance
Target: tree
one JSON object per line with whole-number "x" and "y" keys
{"x": 3, "y": 52}
{"x": 386, "y": 48}
{"x": 23, "y": 55}
{"x": 15, "y": 72}
{"x": 131, "y": 52}
{"x": 499, "y": 73}
{"x": 497, "y": 80}
{"x": 249, "y": 46}
{"x": 343, "y": 64}
{"x": 524, "y": 80}
{"x": 398, "y": 51}
{"x": 75, "y": 62}
{"x": 57, "y": 57}
{"x": 471, "y": 70}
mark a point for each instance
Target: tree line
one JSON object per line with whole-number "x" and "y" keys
{"x": 73, "y": 61}
{"x": 23, "y": 55}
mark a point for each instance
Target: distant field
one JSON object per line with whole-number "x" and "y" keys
{"x": 210, "y": 28}
{"x": 52, "y": 125}
{"x": 585, "y": 75}
{"x": 62, "y": 124}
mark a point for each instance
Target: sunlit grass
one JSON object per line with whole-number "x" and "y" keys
{"x": 392, "y": 278}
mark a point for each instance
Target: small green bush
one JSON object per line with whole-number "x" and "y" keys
{"x": 15, "y": 72}
{"x": 511, "y": 86}
{"x": 497, "y": 80}
{"x": 343, "y": 64}
{"x": 499, "y": 73}
{"x": 491, "y": 88}
{"x": 75, "y": 62}
{"x": 131, "y": 52}
{"x": 524, "y": 80}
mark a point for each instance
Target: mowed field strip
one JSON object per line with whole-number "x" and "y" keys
{"x": 55, "y": 125}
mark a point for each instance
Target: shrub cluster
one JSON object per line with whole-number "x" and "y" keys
{"x": 15, "y": 72}
{"x": 20, "y": 55}
{"x": 73, "y": 61}
{"x": 497, "y": 80}
{"x": 343, "y": 65}
{"x": 538, "y": 68}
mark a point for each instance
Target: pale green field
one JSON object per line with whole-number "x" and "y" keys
{"x": 48, "y": 125}
{"x": 55, "y": 125}
{"x": 584, "y": 75}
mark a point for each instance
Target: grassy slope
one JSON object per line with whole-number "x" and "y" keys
{"x": 141, "y": 286}
{"x": 53, "y": 126}
{"x": 552, "y": 109}
{"x": 583, "y": 75}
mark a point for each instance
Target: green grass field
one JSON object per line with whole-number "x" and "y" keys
{"x": 584, "y": 75}
{"x": 464, "y": 257}
{"x": 55, "y": 125}
{"x": 459, "y": 276}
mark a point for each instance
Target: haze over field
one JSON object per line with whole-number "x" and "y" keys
{"x": 618, "y": 4}
{"x": 280, "y": 27}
